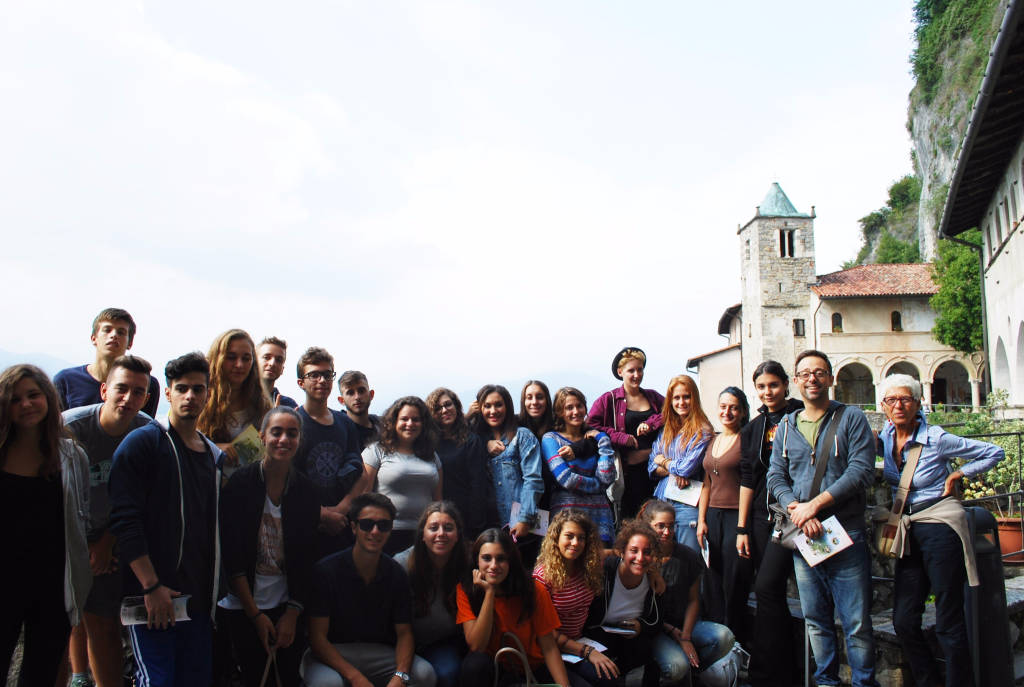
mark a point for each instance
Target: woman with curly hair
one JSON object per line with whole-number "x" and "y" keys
{"x": 678, "y": 451}
{"x": 570, "y": 567}
{"x": 499, "y": 596}
{"x": 436, "y": 563}
{"x": 685, "y": 641}
{"x": 582, "y": 471}
{"x": 464, "y": 461}
{"x": 237, "y": 399}
{"x": 44, "y": 501}
{"x": 403, "y": 465}
{"x": 624, "y": 616}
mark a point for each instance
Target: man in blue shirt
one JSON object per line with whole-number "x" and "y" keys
{"x": 270, "y": 357}
{"x": 113, "y": 333}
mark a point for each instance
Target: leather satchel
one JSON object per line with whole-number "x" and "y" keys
{"x": 784, "y": 532}
{"x": 885, "y": 534}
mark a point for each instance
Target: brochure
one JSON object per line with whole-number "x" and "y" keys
{"x": 543, "y": 518}
{"x": 689, "y": 495}
{"x": 832, "y": 541}
{"x": 249, "y": 448}
{"x": 133, "y": 609}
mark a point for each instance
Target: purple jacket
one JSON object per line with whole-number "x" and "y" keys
{"x": 608, "y": 415}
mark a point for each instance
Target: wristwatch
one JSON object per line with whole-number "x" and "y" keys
{"x": 404, "y": 677}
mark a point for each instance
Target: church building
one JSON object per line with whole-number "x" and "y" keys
{"x": 871, "y": 320}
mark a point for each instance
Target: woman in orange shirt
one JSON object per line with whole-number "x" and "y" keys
{"x": 499, "y": 596}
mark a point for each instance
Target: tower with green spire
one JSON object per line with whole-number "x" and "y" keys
{"x": 777, "y": 269}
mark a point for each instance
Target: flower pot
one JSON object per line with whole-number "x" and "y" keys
{"x": 1010, "y": 538}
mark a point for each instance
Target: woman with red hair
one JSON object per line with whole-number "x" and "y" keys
{"x": 678, "y": 451}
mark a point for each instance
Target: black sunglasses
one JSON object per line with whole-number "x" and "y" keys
{"x": 367, "y": 525}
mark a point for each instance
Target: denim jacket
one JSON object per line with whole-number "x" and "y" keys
{"x": 517, "y": 476}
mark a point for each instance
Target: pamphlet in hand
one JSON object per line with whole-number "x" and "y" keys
{"x": 248, "y": 447}
{"x": 833, "y": 540}
{"x": 543, "y": 518}
{"x": 598, "y": 646}
{"x": 133, "y": 609}
{"x": 689, "y": 494}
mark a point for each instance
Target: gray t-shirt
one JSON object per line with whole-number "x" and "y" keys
{"x": 84, "y": 424}
{"x": 439, "y": 623}
{"x": 409, "y": 481}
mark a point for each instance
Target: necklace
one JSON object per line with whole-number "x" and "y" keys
{"x": 717, "y": 455}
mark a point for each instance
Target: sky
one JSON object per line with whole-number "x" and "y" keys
{"x": 439, "y": 193}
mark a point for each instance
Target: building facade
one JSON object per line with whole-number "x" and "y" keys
{"x": 871, "y": 320}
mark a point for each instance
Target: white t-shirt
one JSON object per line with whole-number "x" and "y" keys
{"x": 625, "y": 604}
{"x": 271, "y": 585}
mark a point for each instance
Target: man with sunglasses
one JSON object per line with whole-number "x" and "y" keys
{"x": 803, "y": 439}
{"x": 360, "y": 611}
{"x": 329, "y": 452}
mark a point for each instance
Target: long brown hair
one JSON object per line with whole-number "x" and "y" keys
{"x": 52, "y": 425}
{"x": 561, "y": 396}
{"x": 695, "y": 424}
{"x": 214, "y": 419}
{"x": 426, "y": 582}
{"x": 460, "y": 430}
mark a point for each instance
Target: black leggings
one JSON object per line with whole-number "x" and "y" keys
{"x": 46, "y": 635}
{"x": 771, "y": 659}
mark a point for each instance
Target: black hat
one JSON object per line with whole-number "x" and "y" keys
{"x": 618, "y": 358}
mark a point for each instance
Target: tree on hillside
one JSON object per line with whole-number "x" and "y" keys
{"x": 958, "y": 301}
{"x": 892, "y": 250}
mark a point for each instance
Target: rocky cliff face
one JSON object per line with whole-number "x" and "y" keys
{"x": 938, "y": 120}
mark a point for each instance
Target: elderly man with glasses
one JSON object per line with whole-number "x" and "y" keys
{"x": 934, "y": 561}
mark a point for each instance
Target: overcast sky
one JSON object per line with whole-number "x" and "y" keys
{"x": 439, "y": 193}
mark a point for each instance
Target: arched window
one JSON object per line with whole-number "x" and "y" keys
{"x": 897, "y": 321}
{"x": 837, "y": 323}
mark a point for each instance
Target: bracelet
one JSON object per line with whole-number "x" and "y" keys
{"x": 741, "y": 530}
{"x": 256, "y": 615}
{"x": 150, "y": 590}
{"x": 586, "y": 652}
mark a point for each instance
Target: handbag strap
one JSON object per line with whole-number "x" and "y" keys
{"x": 903, "y": 489}
{"x": 516, "y": 651}
{"x": 830, "y": 437}
{"x": 271, "y": 660}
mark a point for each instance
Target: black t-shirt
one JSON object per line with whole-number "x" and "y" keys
{"x": 360, "y": 612}
{"x": 680, "y": 571}
{"x": 368, "y": 435}
{"x": 32, "y": 510}
{"x": 635, "y": 418}
{"x": 329, "y": 455}
{"x": 199, "y": 489}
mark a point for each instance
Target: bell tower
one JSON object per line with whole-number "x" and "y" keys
{"x": 776, "y": 271}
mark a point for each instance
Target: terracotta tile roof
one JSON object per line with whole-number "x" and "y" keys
{"x": 878, "y": 280}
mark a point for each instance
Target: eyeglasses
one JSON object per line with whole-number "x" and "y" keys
{"x": 817, "y": 374}
{"x": 447, "y": 405}
{"x": 367, "y": 525}
{"x": 661, "y": 526}
{"x": 326, "y": 375}
{"x": 903, "y": 401}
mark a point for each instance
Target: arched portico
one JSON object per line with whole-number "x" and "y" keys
{"x": 855, "y": 384}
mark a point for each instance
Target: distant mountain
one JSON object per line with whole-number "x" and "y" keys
{"x": 49, "y": 364}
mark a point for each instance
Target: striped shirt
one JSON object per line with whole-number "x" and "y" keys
{"x": 572, "y": 602}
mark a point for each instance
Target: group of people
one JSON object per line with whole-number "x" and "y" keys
{"x": 345, "y": 548}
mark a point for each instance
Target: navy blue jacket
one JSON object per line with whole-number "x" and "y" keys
{"x": 147, "y": 512}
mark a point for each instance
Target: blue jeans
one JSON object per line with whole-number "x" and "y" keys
{"x": 686, "y": 525}
{"x": 446, "y": 658}
{"x": 180, "y": 656}
{"x": 711, "y": 640}
{"x": 841, "y": 583}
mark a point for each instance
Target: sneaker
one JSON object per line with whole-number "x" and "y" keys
{"x": 81, "y": 681}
